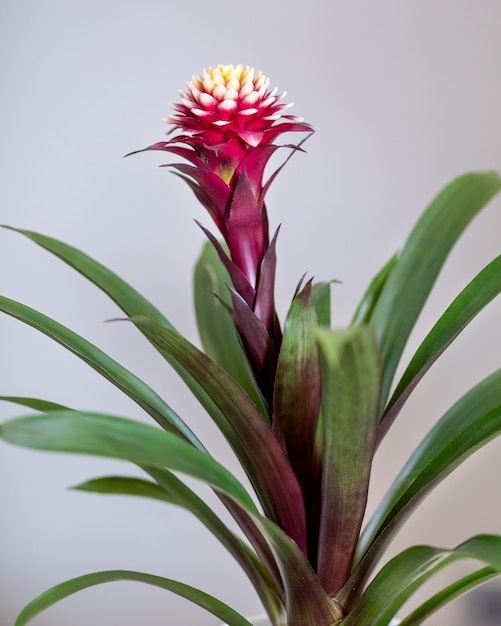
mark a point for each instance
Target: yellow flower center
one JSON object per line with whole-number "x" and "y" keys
{"x": 229, "y": 82}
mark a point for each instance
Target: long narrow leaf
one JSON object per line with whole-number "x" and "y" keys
{"x": 450, "y": 593}
{"x": 321, "y": 296}
{"x": 307, "y": 602}
{"x": 464, "y": 414}
{"x": 298, "y": 389}
{"x": 414, "y": 274}
{"x": 409, "y": 570}
{"x": 169, "y": 488}
{"x": 116, "y": 437}
{"x": 365, "y": 308}
{"x": 350, "y": 402}
{"x": 471, "y": 438}
{"x": 148, "y": 446}
{"x": 126, "y": 297}
{"x": 126, "y": 486}
{"x": 35, "y": 403}
{"x": 479, "y": 292}
{"x": 59, "y": 592}
{"x": 132, "y": 303}
{"x": 127, "y": 382}
{"x": 245, "y": 430}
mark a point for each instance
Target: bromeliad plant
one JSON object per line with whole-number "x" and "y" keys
{"x": 303, "y": 407}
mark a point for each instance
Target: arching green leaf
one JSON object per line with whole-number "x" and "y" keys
{"x": 243, "y": 426}
{"x": 410, "y": 281}
{"x": 59, "y": 592}
{"x": 450, "y": 593}
{"x": 409, "y": 570}
{"x": 122, "y": 378}
{"x": 479, "y": 292}
{"x": 117, "y": 437}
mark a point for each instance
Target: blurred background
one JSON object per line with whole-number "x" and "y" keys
{"x": 404, "y": 96}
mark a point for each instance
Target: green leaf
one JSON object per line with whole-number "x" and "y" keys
{"x": 434, "y": 454}
{"x": 298, "y": 388}
{"x": 59, "y": 592}
{"x": 450, "y": 593}
{"x": 127, "y": 382}
{"x": 307, "y": 602}
{"x": 126, "y": 297}
{"x": 365, "y": 309}
{"x": 245, "y": 430}
{"x": 321, "y": 296}
{"x": 262, "y": 571}
{"x": 409, "y": 570}
{"x": 215, "y": 325}
{"x": 170, "y": 489}
{"x": 126, "y": 486}
{"x": 35, "y": 403}
{"x": 145, "y": 445}
{"x": 410, "y": 281}
{"x": 350, "y": 401}
{"x": 117, "y": 437}
{"x": 479, "y": 292}
{"x": 450, "y": 455}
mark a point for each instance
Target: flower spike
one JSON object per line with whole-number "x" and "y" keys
{"x": 227, "y": 123}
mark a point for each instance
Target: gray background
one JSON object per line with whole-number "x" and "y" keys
{"x": 404, "y": 96}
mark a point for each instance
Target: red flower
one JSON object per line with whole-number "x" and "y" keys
{"x": 228, "y": 120}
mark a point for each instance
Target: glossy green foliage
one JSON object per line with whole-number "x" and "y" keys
{"x": 55, "y": 594}
{"x": 409, "y": 570}
{"x": 304, "y": 410}
{"x": 409, "y": 282}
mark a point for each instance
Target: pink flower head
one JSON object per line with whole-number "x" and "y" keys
{"x": 228, "y": 119}
{"x": 227, "y": 111}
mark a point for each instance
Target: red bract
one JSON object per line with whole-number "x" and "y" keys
{"x": 228, "y": 120}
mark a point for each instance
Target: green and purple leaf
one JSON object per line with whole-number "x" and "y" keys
{"x": 307, "y": 602}
{"x": 298, "y": 391}
{"x": 351, "y": 381}
{"x": 245, "y": 430}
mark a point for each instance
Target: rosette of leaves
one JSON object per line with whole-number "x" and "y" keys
{"x": 303, "y": 407}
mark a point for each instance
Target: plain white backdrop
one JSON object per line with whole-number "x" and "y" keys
{"x": 404, "y": 96}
